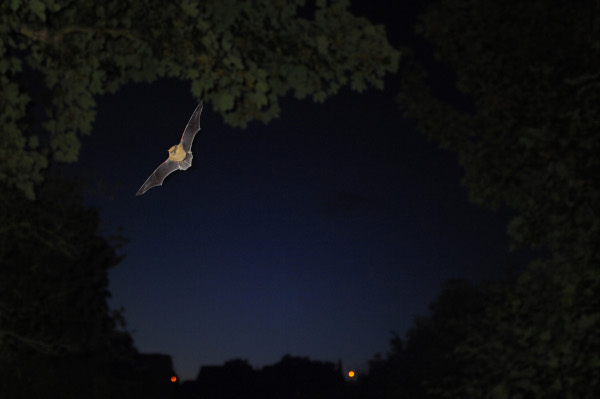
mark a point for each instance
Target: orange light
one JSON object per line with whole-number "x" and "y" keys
{"x": 351, "y": 374}
{"x": 173, "y": 379}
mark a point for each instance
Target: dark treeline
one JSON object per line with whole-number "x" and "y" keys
{"x": 291, "y": 377}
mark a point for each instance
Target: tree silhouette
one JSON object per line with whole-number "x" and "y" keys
{"x": 432, "y": 366}
{"x": 524, "y": 124}
{"x": 425, "y": 365}
{"x": 58, "y": 338}
{"x": 291, "y": 377}
{"x": 386, "y": 377}
{"x": 236, "y": 378}
{"x": 241, "y": 56}
{"x": 300, "y": 377}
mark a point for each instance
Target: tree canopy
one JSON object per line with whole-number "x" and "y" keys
{"x": 530, "y": 139}
{"x": 524, "y": 123}
{"x": 242, "y": 56}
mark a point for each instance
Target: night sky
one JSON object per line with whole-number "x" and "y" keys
{"x": 315, "y": 235}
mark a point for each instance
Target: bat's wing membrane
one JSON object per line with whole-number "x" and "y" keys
{"x": 158, "y": 176}
{"x": 191, "y": 129}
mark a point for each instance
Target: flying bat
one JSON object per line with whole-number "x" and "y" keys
{"x": 180, "y": 155}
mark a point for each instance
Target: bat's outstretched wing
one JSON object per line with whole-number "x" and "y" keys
{"x": 158, "y": 176}
{"x": 191, "y": 129}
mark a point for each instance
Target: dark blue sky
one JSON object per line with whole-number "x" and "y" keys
{"x": 314, "y": 235}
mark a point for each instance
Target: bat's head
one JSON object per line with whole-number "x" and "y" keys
{"x": 172, "y": 150}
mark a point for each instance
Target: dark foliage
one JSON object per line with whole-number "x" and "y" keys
{"x": 58, "y": 338}
{"x": 528, "y": 140}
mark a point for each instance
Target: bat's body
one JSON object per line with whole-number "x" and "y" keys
{"x": 180, "y": 155}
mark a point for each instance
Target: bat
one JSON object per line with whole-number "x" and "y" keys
{"x": 180, "y": 155}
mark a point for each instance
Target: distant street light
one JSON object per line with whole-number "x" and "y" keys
{"x": 173, "y": 379}
{"x": 351, "y": 374}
